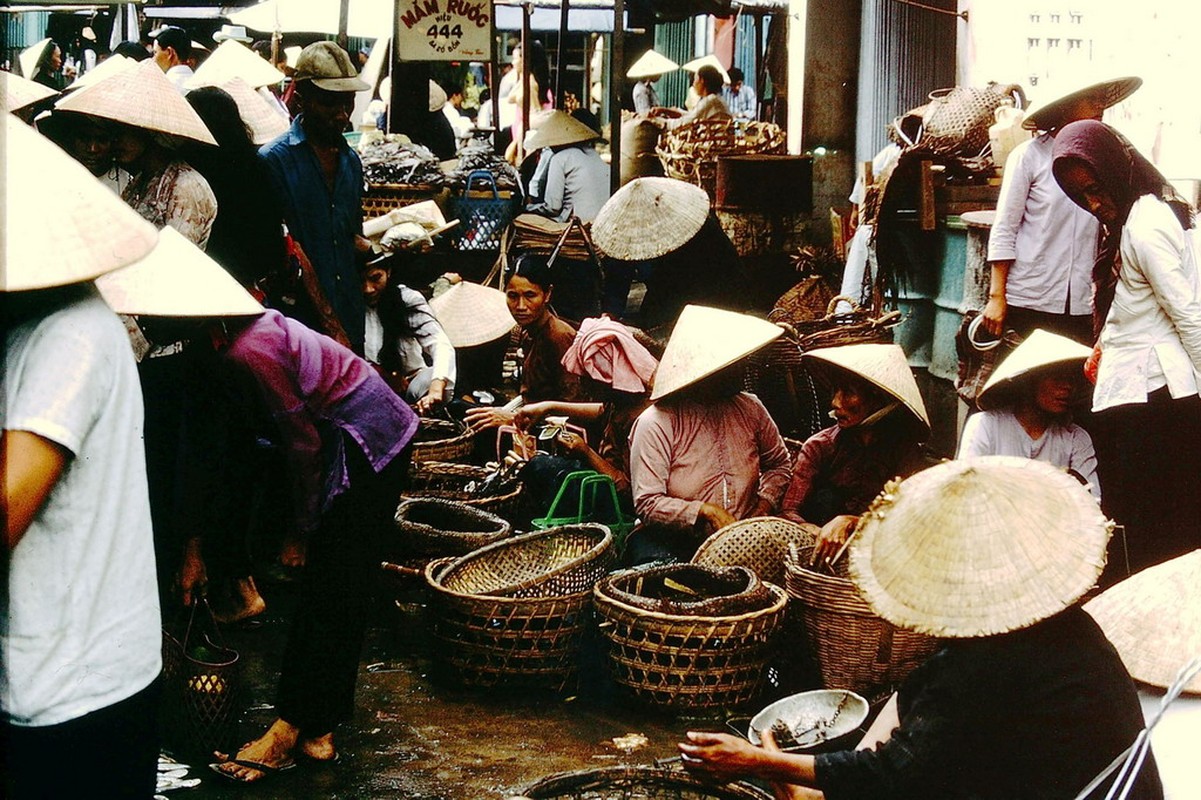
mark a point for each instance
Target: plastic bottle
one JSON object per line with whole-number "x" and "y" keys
{"x": 1006, "y": 133}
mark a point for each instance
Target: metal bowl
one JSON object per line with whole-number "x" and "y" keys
{"x": 815, "y": 718}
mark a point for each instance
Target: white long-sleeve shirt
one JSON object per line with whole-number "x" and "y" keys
{"x": 999, "y": 433}
{"x": 1152, "y": 335}
{"x": 1051, "y": 241}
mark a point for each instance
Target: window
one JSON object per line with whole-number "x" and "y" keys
{"x": 1035, "y": 18}
{"x": 1054, "y": 19}
{"x": 1074, "y": 44}
{"x": 1032, "y": 42}
{"x": 1052, "y": 43}
{"x": 1075, "y": 17}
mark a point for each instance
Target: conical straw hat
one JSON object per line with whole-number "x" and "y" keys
{"x": 649, "y": 217}
{"x": 652, "y": 64}
{"x": 265, "y": 122}
{"x": 142, "y": 97}
{"x": 19, "y": 92}
{"x": 437, "y": 97}
{"x": 109, "y": 66}
{"x": 706, "y": 340}
{"x": 558, "y": 129}
{"x": 61, "y": 224}
{"x": 176, "y": 279}
{"x": 1040, "y": 349}
{"x": 882, "y": 365}
{"x": 30, "y": 56}
{"x": 1052, "y": 115}
{"x": 1153, "y": 619}
{"x": 230, "y": 60}
{"x": 707, "y": 61}
{"x": 979, "y": 547}
{"x": 472, "y": 314}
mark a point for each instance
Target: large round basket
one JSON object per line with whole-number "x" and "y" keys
{"x": 486, "y": 641}
{"x": 636, "y": 783}
{"x": 441, "y": 440}
{"x": 690, "y": 152}
{"x": 432, "y": 527}
{"x": 689, "y": 662}
{"x": 691, "y": 590}
{"x": 550, "y": 563}
{"x": 758, "y": 543}
{"x": 855, "y": 648}
{"x": 459, "y": 482}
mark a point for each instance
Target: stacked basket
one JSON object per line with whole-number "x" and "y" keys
{"x": 513, "y": 613}
{"x": 711, "y": 655}
{"x": 442, "y": 440}
{"x": 432, "y": 528}
{"x": 854, "y": 647}
{"x": 461, "y": 483}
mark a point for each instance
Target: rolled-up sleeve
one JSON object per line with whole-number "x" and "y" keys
{"x": 805, "y": 468}
{"x": 774, "y": 462}
{"x": 1011, "y": 207}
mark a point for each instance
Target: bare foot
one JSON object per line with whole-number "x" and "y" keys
{"x": 249, "y": 603}
{"x": 319, "y": 748}
{"x": 272, "y": 750}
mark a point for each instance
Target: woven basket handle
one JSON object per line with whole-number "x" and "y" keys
{"x": 838, "y": 298}
{"x": 482, "y": 173}
{"x": 202, "y": 600}
{"x": 399, "y": 570}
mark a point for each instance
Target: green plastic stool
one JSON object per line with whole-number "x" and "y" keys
{"x": 592, "y": 486}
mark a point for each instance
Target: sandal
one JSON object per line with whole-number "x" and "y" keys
{"x": 266, "y": 769}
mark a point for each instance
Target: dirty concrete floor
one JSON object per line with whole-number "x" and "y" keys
{"x": 415, "y": 737}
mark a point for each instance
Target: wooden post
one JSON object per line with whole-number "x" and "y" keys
{"x": 925, "y": 204}
{"x": 343, "y": 22}
{"x": 560, "y": 56}
{"x": 760, "y": 66}
{"x": 616, "y": 83}
{"x": 526, "y": 10}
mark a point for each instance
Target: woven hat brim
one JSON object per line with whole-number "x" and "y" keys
{"x": 141, "y": 97}
{"x": 1153, "y": 619}
{"x": 62, "y": 226}
{"x": 176, "y": 279}
{"x": 472, "y": 314}
{"x": 649, "y": 217}
{"x": 20, "y": 92}
{"x": 1051, "y": 116}
{"x": 979, "y": 547}
{"x": 705, "y": 341}
{"x": 230, "y": 60}
{"x": 265, "y": 122}
{"x": 650, "y": 64}
{"x": 30, "y": 56}
{"x": 109, "y": 66}
{"x": 558, "y": 130}
{"x": 707, "y": 61}
{"x": 1040, "y": 349}
{"x": 883, "y": 366}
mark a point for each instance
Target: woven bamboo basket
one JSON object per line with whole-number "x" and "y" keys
{"x": 550, "y": 563}
{"x": 444, "y": 481}
{"x": 636, "y": 783}
{"x": 758, "y": 543}
{"x": 487, "y": 641}
{"x": 855, "y": 648}
{"x": 432, "y": 527}
{"x": 380, "y": 198}
{"x": 688, "y": 662}
{"x": 856, "y": 326}
{"x": 709, "y": 592}
{"x": 690, "y": 152}
{"x": 441, "y": 440}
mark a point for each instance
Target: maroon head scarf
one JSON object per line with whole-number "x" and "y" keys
{"x": 1125, "y": 175}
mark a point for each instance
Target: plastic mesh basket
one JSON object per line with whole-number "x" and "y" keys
{"x": 483, "y": 214}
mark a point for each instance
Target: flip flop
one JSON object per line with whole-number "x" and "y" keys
{"x": 266, "y": 769}
{"x": 320, "y": 762}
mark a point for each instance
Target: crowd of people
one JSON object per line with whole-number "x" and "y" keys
{"x": 257, "y": 331}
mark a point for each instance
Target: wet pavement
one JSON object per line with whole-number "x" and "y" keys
{"x": 414, "y": 736}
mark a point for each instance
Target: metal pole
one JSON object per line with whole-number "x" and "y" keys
{"x": 494, "y": 92}
{"x": 343, "y": 22}
{"x": 561, "y": 56}
{"x": 526, "y": 10}
{"x": 760, "y": 65}
{"x": 616, "y": 84}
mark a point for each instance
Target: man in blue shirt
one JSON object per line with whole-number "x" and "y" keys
{"x": 319, "y": 180}
{"x": 739, "y": 97}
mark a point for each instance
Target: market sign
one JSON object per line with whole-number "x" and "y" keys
{"x": 444, "y": 30}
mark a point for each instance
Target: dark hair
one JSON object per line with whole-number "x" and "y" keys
{"x": 711, "y": 78}
{"x": 452, "y": 87}
{"x": 178, "y": 38}
{"x": 736, "y": 75}
{"x": 220, "y": 115}
{"x": 539, "y": 69}
{"x": 534, "y": 268}
{"x": 131, "y": 49}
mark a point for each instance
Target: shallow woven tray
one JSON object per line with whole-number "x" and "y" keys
{"x": 441, "y": 440}
{"x": 445, "y": 481}
{"x": 855, "y": 648}
{"x": 433, "y": 527}
{"x": 688, "y": 662}
{"x": 550, "y": 563}
{"x": 484, "y": 640}
{"x": 636, "y": 783}
{"x": 759, "y": 544}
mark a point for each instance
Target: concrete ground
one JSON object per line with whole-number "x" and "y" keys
{"x": 415, "y": 737}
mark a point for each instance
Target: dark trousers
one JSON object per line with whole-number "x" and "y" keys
{"x": 1024, "y": 320}
{"x": 109, "y": 753}
{"x": 321, "y": 661}
{"x": 1149, "y": 455}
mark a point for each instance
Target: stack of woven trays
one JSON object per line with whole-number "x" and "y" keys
{"x": 709, "y": 653}
{"x": 534, "y": 233}
{"x": 690, "y": 152}
{"x": 441, "y": 440}
{"x": 855, "y": 648}
{"x": 461, "y": 482}
{"x": 513, "y": 613}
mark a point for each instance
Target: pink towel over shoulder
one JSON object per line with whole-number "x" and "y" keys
{"x": 606, "y": 351}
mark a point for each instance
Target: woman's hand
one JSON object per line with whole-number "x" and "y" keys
{"x": 994, "y": 315}
{"x": 433, "y": 398}
{"x": 192, "y": 575}
{"x": 716, "y": 516}
{"x": 833, "y": 536}
{"x": 572, "y": 443}
{"x": 480, "y": 419}
{"x": 292, "y": 552}
{"x": 719, "y": 756}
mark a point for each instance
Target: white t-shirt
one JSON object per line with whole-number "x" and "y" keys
{"x": 79, "y": 626}
{"x": 1000, "y": 433}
